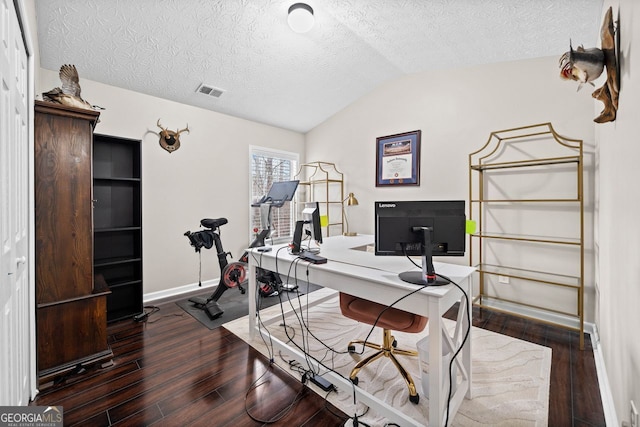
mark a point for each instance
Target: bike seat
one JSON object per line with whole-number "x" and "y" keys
{"x": 213, "y": 223}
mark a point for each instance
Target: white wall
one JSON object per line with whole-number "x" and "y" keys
{"x": 208, "y": 177}
{"x": 456, "y": 110}
{"x": 617, "y": 237}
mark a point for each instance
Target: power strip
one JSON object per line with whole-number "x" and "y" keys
{"x": 141, "y": 317}
{"x": 312, "y": 258}
{"x": 321, "y": 382}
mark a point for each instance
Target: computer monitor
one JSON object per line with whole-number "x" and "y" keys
{"x": 420, "y": 228}
{"x": 311, "y": 216}
{"x": 309, "y": 224}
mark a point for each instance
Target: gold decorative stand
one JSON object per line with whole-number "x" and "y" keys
{"x": 322, "y": 182}
{"x": 526, "y": 196}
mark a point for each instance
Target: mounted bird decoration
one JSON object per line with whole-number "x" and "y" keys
{"x": 582, "y": 65}
{"x": 69, "y": 93}
{"x": 170, "y": 140}
{"x": 586, "y": 65}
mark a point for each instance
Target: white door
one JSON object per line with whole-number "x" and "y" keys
{"x": 15, "y": 306}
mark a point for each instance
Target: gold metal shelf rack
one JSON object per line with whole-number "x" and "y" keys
{"x": 526, "y": 197}
{"x": 322, "y": 182}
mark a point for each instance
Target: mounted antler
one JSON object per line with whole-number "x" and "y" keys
{"x": 170, "y": 140}
{"x": 160, "y": 126}
{"x": 183, "y": 130}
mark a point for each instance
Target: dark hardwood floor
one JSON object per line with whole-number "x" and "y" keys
{"x": 173, "y": 371}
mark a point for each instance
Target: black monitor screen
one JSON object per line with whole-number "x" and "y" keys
{"x": 395, "y": 233}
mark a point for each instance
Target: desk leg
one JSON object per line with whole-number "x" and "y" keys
{"x": 467, "y": 285}
{"x": 436, "y": 399}
{"x": 253, "y": 288}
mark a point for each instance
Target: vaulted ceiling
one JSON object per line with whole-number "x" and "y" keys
{"x": 269, "y": 74}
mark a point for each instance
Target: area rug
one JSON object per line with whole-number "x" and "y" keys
{"x": 510, "y": 377}
{"x": 235, "y": 304}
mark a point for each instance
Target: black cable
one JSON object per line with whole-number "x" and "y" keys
{"x": 305, "y": 327}
{"x": 144, "y": 316}
{"x": 294, "y": 365}
{"x": 284, "y": 412}
{"x": 304, "y": 347}
{"x": 270, "y": 350}
{"x": 167, "y": 315}
{"x": 200, "y": 268}
{"x": 302, "y": 323}
{"x": 464, "y": 340}
{"x": 269, "y": 346}
{"x": 373, "y": 326}
{"x": 335, "y": 414}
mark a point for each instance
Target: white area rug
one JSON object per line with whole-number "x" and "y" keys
{"x": 510, "y": 376}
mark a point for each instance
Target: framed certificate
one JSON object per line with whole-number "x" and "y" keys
{"x": 398, "y": 159}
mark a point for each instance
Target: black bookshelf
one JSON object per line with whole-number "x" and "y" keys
{"x": 117, "y": 221}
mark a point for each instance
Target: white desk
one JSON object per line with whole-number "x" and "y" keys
{"x": 361, "y": 273}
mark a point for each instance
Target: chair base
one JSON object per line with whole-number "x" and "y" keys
{"x": 387, "y": 349}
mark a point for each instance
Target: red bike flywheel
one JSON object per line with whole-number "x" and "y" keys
{"x": 234, "y": 274}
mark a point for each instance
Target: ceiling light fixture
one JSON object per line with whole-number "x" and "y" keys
{"x": 301, "y": 17}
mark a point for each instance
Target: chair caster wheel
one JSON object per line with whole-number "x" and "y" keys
{"x": 351, "y": 349}
{"x": 354, "y": 380}
{"x": 414, "y": 399}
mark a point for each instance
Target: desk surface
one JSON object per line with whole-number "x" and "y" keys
{"x": 358, "y": 250}
{"x": 348, "y": 255}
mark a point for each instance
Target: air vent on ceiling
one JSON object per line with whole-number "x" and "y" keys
{"x": 210, "y": 90}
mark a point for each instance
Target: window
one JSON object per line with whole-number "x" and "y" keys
{"x": 267, "y": 166}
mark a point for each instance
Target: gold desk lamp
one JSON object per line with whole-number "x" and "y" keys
{"x": 351, "y": 201}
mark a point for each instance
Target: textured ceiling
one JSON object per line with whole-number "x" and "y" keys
{"x": 167, "y": 48}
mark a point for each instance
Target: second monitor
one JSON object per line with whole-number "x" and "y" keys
{"x": 420, "y": 228}
{"x": 309, "y": 225}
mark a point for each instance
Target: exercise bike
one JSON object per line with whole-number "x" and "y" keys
{"x": 232, "y": 275}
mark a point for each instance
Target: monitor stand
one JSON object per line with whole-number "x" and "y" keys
{"x": 296, "y": 249}
{"x": 427, "y": 276}
{"x": 296, "y": 244}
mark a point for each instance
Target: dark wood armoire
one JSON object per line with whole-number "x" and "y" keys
{"x": 71, "y": 309}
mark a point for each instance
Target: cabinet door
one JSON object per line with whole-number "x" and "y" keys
{"x": 71, "y": 332}
{"x": 63, "y": 223}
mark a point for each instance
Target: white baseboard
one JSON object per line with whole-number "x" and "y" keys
{"x": 180, "y": 290}
{"x": 610, "y": 416}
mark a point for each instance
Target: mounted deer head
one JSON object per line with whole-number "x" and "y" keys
{"x": 170, "y": 140}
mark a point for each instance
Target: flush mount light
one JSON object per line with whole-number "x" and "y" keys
{"x": 300, "y": 17}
